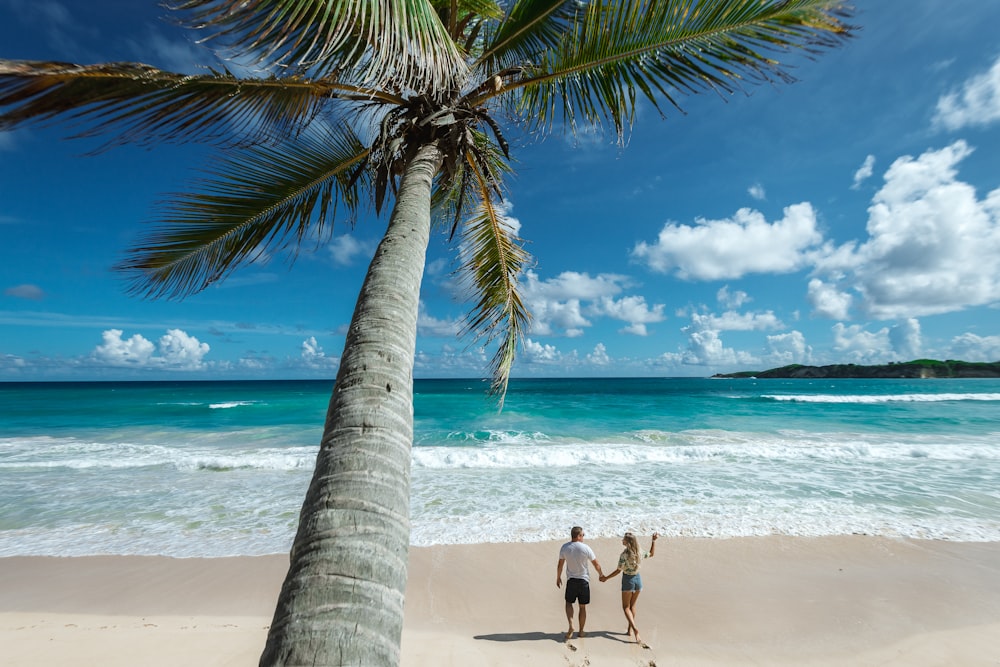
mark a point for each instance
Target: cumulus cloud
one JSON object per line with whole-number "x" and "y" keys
{"x": 905, "y": 339}
{"x": 557, "y": 305}
{"x": 970, "y": 347}
{"x": 431, "y": 326}
{"x": 856, "y": 345}
{"x": 732, "y": 248}
{"x": 177, "y": 351}
{"x": 631, "y": 309}
{"x": 313, "y": 356}
{"x": 976, "y": 103}
{"x": 731, "y": 299}
{"x": 789, "y": 348}
{"x": 828, "y": 301}
{"x": 599, "y": 357}
{"x": 757, "y": 191}
{"x": 30, "y": 292}
{"x": 536, "y": 352}
{"x": 345, "y": 249}
{"x": 864, "y": 172}
{"x": 734, "y": 321}
{"x": 705, "y": 348}
{"x": 933, "y": 246}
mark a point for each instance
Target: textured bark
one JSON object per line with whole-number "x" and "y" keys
{"x": 342, "y": 599}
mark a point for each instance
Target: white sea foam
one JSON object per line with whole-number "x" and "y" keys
{"x": 226, "y": 405}
{"x": 876, "y": 398}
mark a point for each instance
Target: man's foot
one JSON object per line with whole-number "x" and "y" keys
{"x": 569, "y": 634}
{"x": 581, "y": 634}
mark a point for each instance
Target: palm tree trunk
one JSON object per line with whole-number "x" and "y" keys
{"x": 342, "y": 599}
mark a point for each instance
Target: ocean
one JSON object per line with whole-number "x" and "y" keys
{"x": 209, "y": 469}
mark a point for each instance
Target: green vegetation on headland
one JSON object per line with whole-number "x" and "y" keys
{"x": 919, "y": 368}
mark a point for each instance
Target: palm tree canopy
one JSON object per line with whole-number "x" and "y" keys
{"x": 353, "y": 88}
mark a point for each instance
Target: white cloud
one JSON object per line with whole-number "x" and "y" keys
{"x": 313, "y": 356}
{"x": 557, "y": 304}
{"x": 431, "y": 326}
{"x": 757, "y": 191}
{"x": 599, "y": 357}
{"x": 179, "y": 350}
{"x": 789, "y": 348}
{"x": 828, "y": 301}
{"x": 136, "y": 351}
{"x": 970, "y": 347}
{"x": 732, "y": 299}
{"x": 932, "y": 246}
{"x": 905, "y": 339}
{"x": 536, "y": 352}
{"x": 345, "y": 249}
{"x": 864, "y": 172}
{"x": 976, "y": 103}
{"x": 859, "y": 346}
{"x": 733, "y": 321}
{"x": 631, "y": 309}
{"x": 31, "y": 292}
{"x": 705, "y": 348}
{"x": 746, "y": 243}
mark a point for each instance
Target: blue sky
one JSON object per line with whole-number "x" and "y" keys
{"x": 850, "y": 217}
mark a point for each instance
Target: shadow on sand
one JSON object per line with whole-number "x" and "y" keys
{"x": 559, "y": 637}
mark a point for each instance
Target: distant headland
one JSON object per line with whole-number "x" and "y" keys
{"x": 919, "y": 368}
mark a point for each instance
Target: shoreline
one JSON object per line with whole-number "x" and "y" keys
{"x": 783, "y": 601}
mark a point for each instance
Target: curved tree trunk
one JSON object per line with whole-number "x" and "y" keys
{"x": 342, "y": 600}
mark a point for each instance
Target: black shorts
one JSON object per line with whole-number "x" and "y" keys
{"x": 578, "y": 590}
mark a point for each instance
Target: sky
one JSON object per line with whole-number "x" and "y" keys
{"x": 852, "y": 216}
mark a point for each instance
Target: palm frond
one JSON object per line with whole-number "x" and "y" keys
{"x": 660, "y": 49}
{"x": 493, "y": 261}
{"x": 399, "y": 44}
{"x": 261, "y": 199}
{"x": 142, "y": 104}
{"x": 530, "y": 28}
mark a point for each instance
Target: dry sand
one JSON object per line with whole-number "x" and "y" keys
{"x": 803, "y": 602}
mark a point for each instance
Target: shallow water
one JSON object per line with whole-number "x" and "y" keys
{"x": 220, "y": 468}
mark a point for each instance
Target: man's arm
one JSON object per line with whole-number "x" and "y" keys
{"x": 597, "y": 566}
{"x": 559, "y": 568}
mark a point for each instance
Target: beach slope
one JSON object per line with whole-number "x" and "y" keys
{"x": 807, "y": 602}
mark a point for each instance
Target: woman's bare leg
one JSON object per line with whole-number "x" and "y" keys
{"x": 630, "y": 614}
{"x": 627, "y": 610}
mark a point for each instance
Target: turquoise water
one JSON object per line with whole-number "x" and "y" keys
{"x": 220, "y": 468}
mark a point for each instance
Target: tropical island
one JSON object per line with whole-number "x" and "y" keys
{"x": 918, "y": 368}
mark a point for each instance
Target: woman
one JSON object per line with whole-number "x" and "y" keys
{"x": 628, "y": 565}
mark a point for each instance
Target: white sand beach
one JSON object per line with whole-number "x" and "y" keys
{"x": 836, "y": 601}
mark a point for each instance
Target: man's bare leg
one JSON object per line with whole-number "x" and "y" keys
{"x": 583, "y": 619}
{"x": 569, "y": 618}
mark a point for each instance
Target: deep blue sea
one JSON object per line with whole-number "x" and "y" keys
{"x": 220, "y": 468}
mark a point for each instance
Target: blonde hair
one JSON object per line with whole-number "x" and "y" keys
{"x": 632, "y": 547}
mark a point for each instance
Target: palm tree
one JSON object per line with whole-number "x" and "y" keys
{"x": 368, "y": 101}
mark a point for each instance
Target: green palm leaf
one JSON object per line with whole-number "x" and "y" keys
{"x": 665, "y": 47}
{"x": 398, "y": 44}
{"x": 492, "y": 264}
{"x": 531, "y": 27}
{"x": 142, "y": 104}
{"x": 261, "y": 199}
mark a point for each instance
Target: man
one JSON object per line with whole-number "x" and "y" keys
{"x": 576, "y": 556}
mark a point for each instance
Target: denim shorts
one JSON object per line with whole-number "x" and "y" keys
{"x": 631, "y": 583}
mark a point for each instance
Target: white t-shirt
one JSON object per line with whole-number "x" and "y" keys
{"x": 578, "y": 556}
